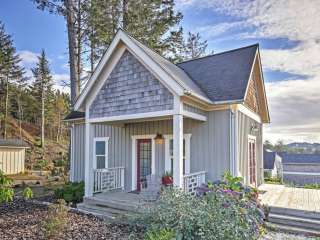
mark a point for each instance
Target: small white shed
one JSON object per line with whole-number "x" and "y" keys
{"x": 12, "y": 155}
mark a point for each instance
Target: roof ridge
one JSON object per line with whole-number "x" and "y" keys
{"x": 215, "y": 54}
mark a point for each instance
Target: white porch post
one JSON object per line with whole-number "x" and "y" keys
{"x": 178, "y": 143}
{"x": 88, "y": 172}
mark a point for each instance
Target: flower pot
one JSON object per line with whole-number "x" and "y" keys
{"x": 167, "y": 180}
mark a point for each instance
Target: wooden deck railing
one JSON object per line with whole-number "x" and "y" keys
{"x": 192, "y": 181}
{"x": 108, "y": 179}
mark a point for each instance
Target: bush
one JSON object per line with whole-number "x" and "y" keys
{"x": 162, "y": 234}
{"x": 56, "y": 220}
{"x": 71, "y": 192}
{"x": 27, "y": 193}
{"x": 6, "y": 190}
{"x": 218, "y": 212}
{"x": 312, "y": 186}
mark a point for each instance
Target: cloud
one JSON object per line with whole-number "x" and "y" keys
{"x": 294, "y": 103}
{"x": 60, "y": 81}
{"x": 28, "y": 57}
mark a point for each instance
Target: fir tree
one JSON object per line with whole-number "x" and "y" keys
{"x": 194, "y": 47}
{"x": 42, "y": 88}
{"x": 10, "y": 72}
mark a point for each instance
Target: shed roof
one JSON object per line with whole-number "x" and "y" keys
{"x": 288, "y": 158}
{"x": 13, "y": 143}
{"x": 74, "y": 115}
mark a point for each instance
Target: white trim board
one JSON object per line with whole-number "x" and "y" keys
{"x": 134, "y": 160}
{"x": 193, "y": 115}
{"x": 246, "y": 111}
{"x": 132, "y": 116}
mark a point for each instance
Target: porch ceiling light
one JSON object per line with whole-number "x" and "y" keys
{"x": 159, "y": 139}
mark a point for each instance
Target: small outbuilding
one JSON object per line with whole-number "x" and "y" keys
{"x": 12, "y": 155}
{"x": 272, "y": 164}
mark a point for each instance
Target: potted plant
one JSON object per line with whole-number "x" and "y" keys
{"x": 167, "y": 179}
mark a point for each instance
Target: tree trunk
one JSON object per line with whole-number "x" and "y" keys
{"x": 42, "y": 119}
{"x": 6, "y": 110}
{"x": 74, "y": 81}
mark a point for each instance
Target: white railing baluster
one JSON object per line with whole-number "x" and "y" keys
{"x": 108, "y": 179}
{"x": 192, "y": 181}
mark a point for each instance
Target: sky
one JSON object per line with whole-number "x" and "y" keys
{"x": 288, "y": 32}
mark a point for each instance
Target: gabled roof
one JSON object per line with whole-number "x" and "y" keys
{"x": 288, "y": 158}
{"x": 13, "y": 143}
{"x": 223, "y": 76}
{"x": 268, "y": 159}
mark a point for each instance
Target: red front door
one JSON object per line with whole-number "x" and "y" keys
{"x": 252, "y": 162}
{"x": 144, "y": 156}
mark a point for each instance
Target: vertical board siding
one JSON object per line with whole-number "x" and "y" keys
{"x": 209, "y": 144}
{"x": 244, "y": 129}
{"x": 12, "y": 160}
{"x": 78, "y": 152}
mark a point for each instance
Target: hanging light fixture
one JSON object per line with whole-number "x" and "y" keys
{"x": 158, "y": 139}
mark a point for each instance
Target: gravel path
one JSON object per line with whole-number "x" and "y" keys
{"x": 23, "y": 220}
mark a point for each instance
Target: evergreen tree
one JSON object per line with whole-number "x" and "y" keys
{"x": 42, "y": 88}
{"x": 194, "y": 47}
{"x": 10, "y": 73}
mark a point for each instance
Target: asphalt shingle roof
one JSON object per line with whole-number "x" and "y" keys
{"x": 74, "y": 115}
{"x": 300, "y": 158}
{"x": 223, "y": 76}
{"x": 13, "y": 143}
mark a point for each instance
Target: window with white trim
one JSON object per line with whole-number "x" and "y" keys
{"x": 101, "y": 152}
{"x": 171, "y": 155}
{"x": 186, "y": 153}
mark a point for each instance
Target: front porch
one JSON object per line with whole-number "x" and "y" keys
{"x": 122, "y": 151}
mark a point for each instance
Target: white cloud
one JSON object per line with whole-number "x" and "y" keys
{"x": 294, "y": 104}
{"x": 28, "y": 57}
{"x": 60, "y": 81}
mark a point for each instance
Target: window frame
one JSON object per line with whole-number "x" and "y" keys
{"x": 168, "y": 157}
{"x": 106, "y": 154}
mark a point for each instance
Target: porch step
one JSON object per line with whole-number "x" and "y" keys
{"x": 295, "y": 220}
{"x": 291, "y": 229}
{"x": 119, "y": 205}
{"x": 295, "y": 212}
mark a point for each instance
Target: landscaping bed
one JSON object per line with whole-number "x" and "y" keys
{"x": 22, "y": 219}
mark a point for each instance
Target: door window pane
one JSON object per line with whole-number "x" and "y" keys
{"x": 101, "y": 162}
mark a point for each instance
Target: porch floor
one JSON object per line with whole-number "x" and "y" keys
{"x": 290, "y": 197}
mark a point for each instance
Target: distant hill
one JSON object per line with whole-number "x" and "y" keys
{"x": 303, "y": 147}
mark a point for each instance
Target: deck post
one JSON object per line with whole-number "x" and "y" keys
{"x": 88, "y": 172}
{"x": 178, "y": 143}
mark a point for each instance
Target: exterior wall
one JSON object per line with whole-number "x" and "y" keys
{"x": 130, "y": 89}
{"x": 300, "y": 179}
{"x": 301, "y": 168}
{"x": 77, "y": 153}
{"x": 209, "y": 147}
{"x": 244, "y": 129}
{"x": 12, "y": 160}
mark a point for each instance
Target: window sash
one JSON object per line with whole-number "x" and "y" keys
{"x": 101, "y": 154}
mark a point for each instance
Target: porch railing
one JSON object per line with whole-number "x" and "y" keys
{"x": 108, "y": 179}
{"x": 192, "y": 181}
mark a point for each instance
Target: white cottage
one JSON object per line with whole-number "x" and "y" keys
{"x": 208, "y": 114}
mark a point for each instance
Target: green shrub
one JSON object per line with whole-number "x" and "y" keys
{"x": 273, "y": 180}
{"x": 267, "y": 174}
{"x": 56, "y": 220}
{"x": 162, "y": 234}
{"x": 27, "y": 193}
{"x": 312, "y": 186}
{"x": 6, "y": 190}
{"x": 219, "y": 214}
{"x": 71, "y": 192}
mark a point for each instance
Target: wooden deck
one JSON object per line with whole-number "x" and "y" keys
{"x": 290, "y": 197}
